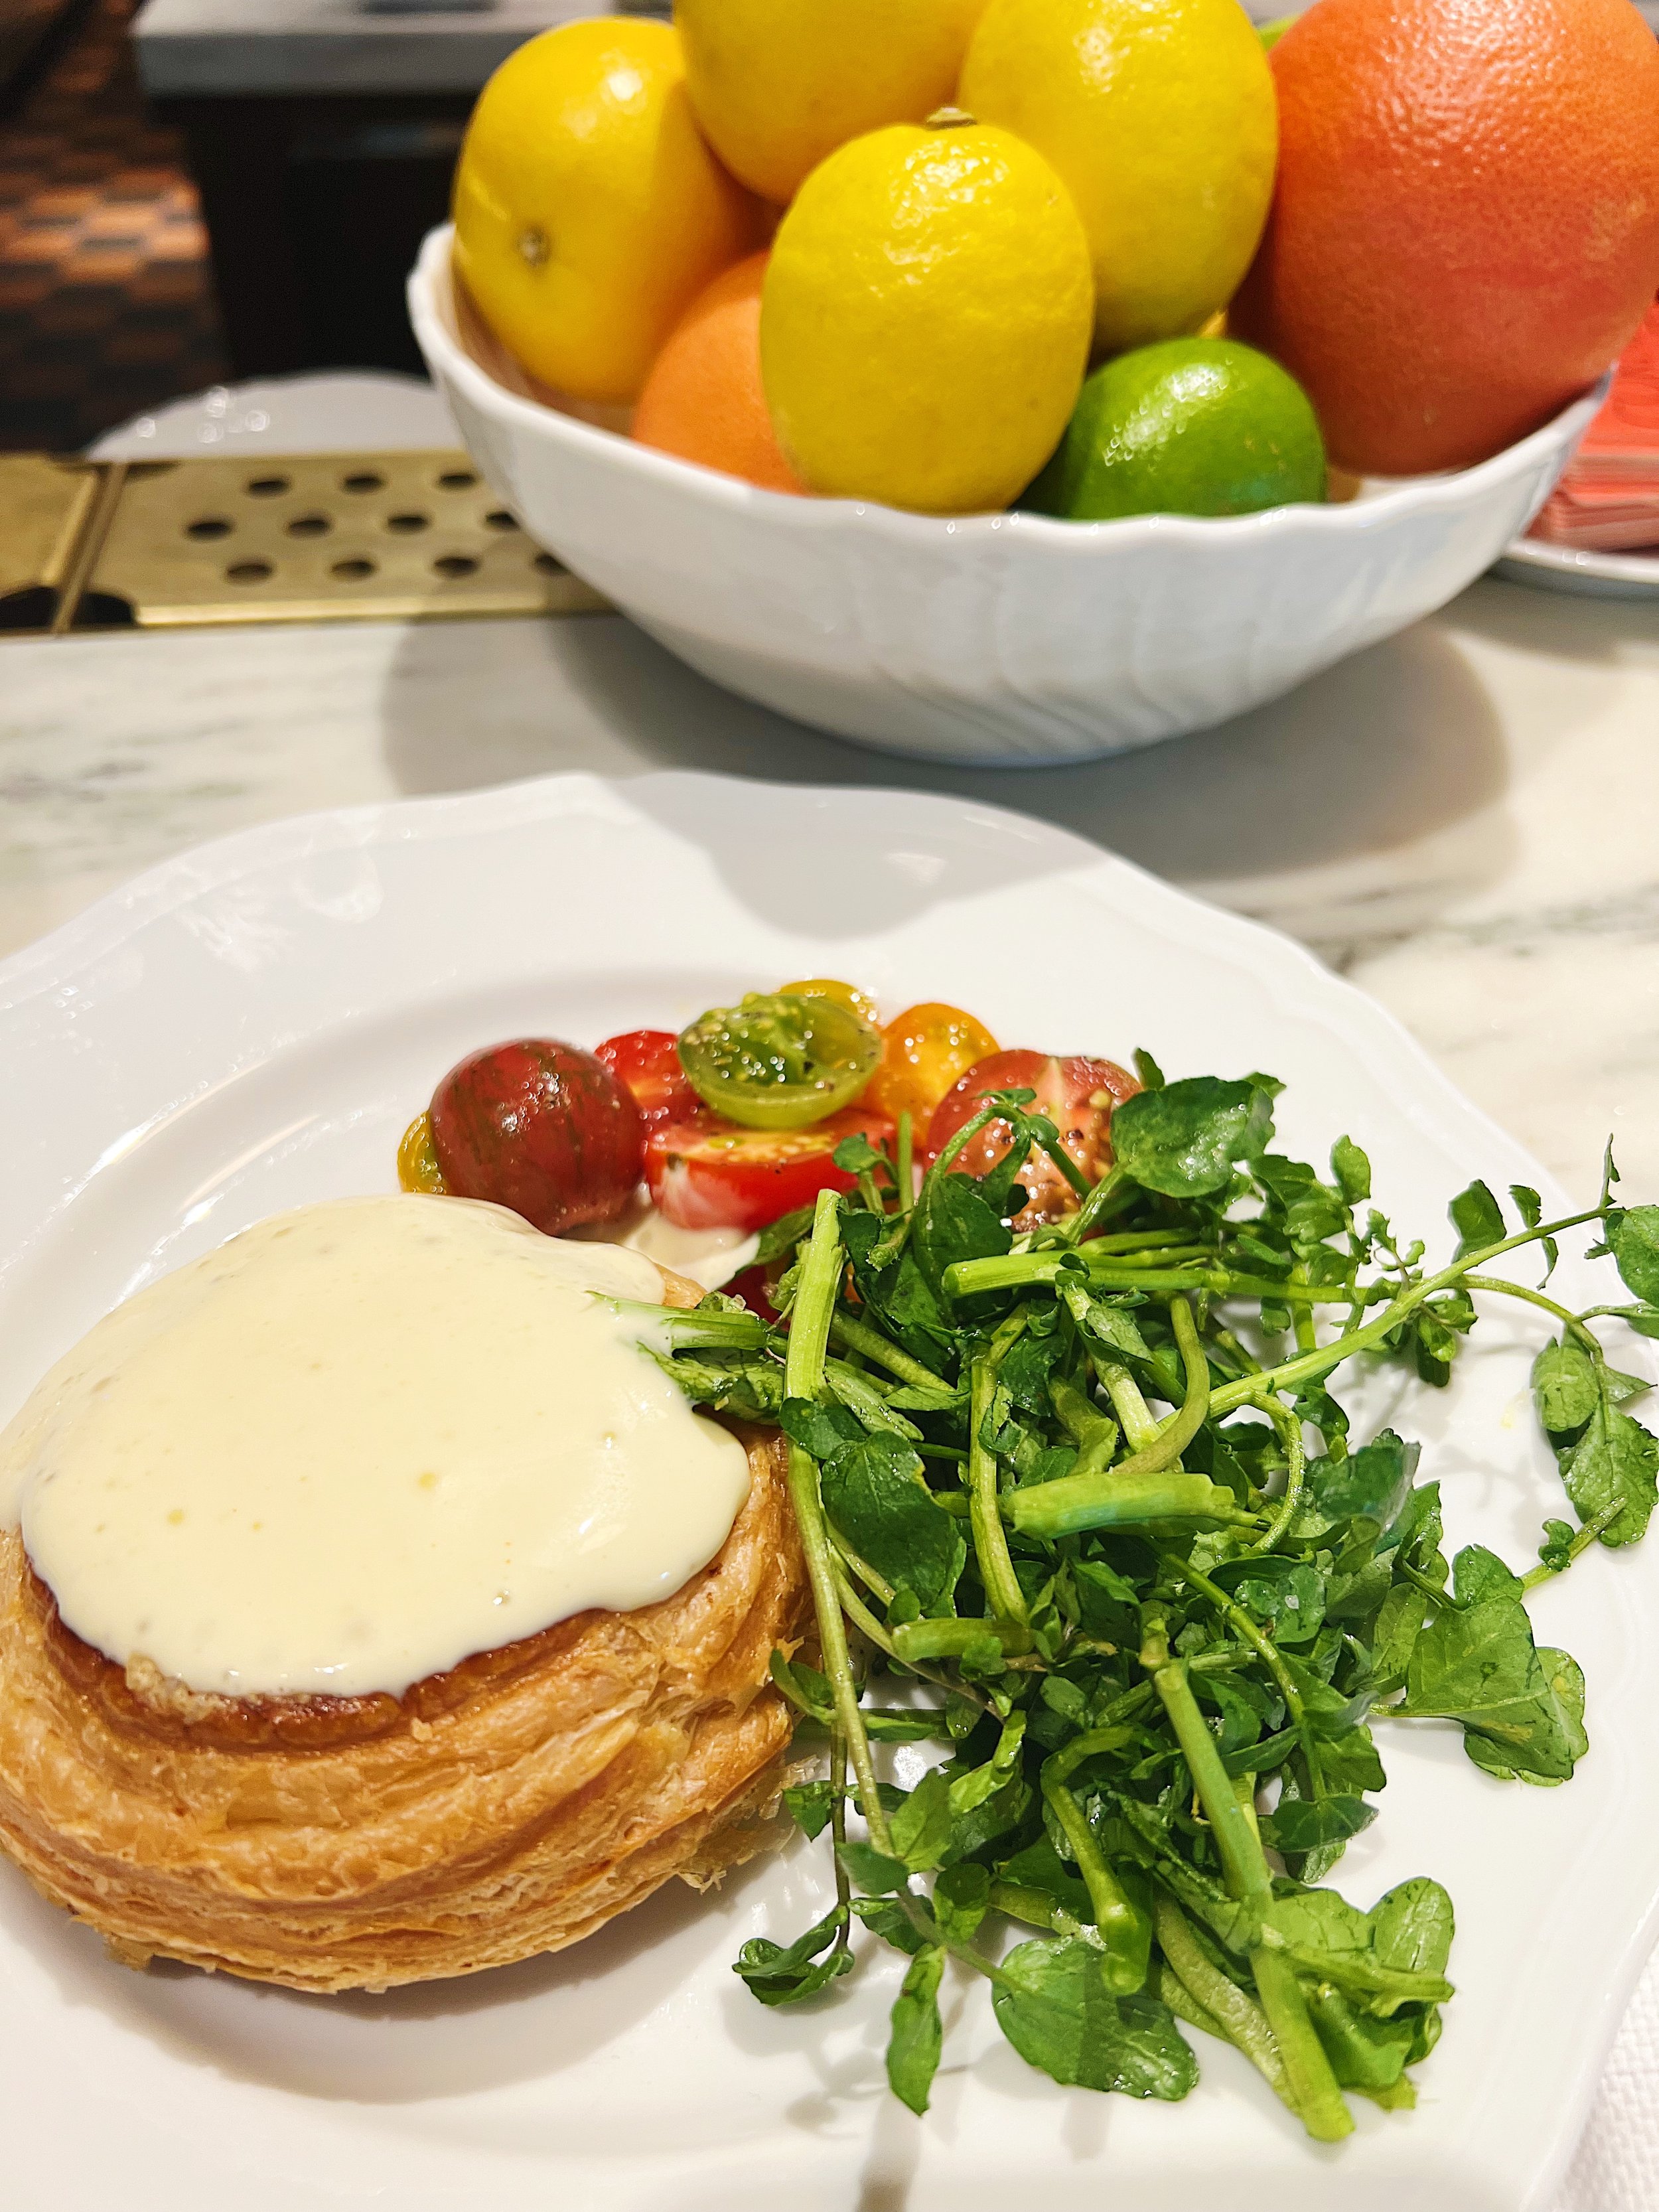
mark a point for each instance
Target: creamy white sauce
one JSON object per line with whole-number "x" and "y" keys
{"x": 359, "y": 1442}
{"x": 709, "y": 1257}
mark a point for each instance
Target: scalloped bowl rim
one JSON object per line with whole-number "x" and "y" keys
{"x": 432, "y": 275}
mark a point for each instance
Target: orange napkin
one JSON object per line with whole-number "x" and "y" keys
{"x": 1609, "y": 500}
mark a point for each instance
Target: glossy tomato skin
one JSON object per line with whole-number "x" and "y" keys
{"x": 925, "y": 1050}
{"x": 646, "y": 1063}
{"x": 715, "y": 1175}
{"x": 1077, "y": 1093}
{"x": 542, "y": 1128}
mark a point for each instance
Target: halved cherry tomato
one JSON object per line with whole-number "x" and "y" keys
{"x": 417, "y": 1163}
{"x": 776, "y": 1061}
{"x": 646, "y": 1063}
{"x": 714, "y": 1175}
{"x": 923, "y": 1053}
{"x": 1077, "y": 1094}
{"x": 541, "y": 1127}
{"x": 832, "y": 987}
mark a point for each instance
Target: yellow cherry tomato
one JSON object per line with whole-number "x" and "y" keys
{"x": 844, "y": 995}
{"x": 924, "y": 1052}
{"x": 417, "y": 1162}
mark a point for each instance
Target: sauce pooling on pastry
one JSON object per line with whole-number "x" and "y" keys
{"x": 358, "y": 1443}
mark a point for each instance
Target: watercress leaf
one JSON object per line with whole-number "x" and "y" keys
{"x": 1262, "y": 1757}
{"x": 872, "y": 1495}
{"x": 1558, "y": 1730}
{"x": 1025, "y": 1370}
{"x": 920, "y": 1827}
{"x": 1350, "y": 1762}
{"x": 1635, "y": 1241}
{"x": 1399, "y": 1623}
{"x": 1040, "y": 1867}
{"x": 1372, "y": 1481}
{"x": 780, "y": 1977}
{"x": 953, "y": 1221}
{"x": 1412, "y": 1928}
{"x": 1477, "y": 1219}
{"x": 1478, "y": 1574}
{"x": 1476, "y": 1664}
{"x": 1303, "y": 1824}
{"x": 913, "y": 2045}
{"x": 1615, "y": 1461}
{"x": 810, "y": 1805}
{"x": 1052, "y": 2004}
{"x": 886, "y": 1918}
{"x": 782, "y": 1236}
{"x": 1114, "y": 1328}
{"x": 820, "y": 1430}
{"x": 805, "y": 1688}
{"x": 1352, "y": 1170}
{"x": 1285, "y": 1596}
{"x": 920, "y": 1725}
{"x": 1184, "y": 1140}
{"x": 855, "y": 1154}
{"x": 1151, "y": 1075}
{"x": 1530, "y": 1207}
{"x": 962, "y": 1897}
{"x": 1565, "y": 1390}
{"x": 872, "y": 1869}
{"x": 979, "y": 1825}
{"x": 1330, "y": 1712}
{"x": 1366, "y": 2054}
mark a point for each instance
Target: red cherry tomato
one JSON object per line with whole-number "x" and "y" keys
{"x": 646, "y": 1063}
{"x": 1078, "y": 1095}
{"x": 540, "y": 1127}
{"x": 713, "y": 1175}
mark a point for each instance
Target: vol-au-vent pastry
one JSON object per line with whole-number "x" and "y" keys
{"x": 374, "y": 1608}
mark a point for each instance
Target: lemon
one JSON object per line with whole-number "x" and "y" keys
{"x": 589, "y": 212}
{"x": 1159, "y": 115}
{"x": 777, "y": 84}
{"x": 925, "y": 320}
{"x": 1190, "y": 426}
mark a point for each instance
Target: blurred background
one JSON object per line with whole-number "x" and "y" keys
{"x": 194, "y": 191}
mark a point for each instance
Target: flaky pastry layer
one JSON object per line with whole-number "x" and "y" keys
{"x": 509, "y": 1807}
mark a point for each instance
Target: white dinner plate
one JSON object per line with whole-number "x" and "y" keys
{"x": 1575, "y": 568}
{"x": 252, "y": 1026}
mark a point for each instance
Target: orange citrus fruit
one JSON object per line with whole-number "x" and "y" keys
{"x": 704, "y": 398}
{"x": 589, "y": 212}
{"x": 1465, "y": 229}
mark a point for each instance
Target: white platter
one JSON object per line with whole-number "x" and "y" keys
{"x": 251, "y": 1026}
{"x": 1570, "y": 569}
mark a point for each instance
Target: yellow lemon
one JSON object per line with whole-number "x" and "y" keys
{"x": 1159, "y": 115}
{"x": 925, "y": 317}
{"x": 589, "y": 212}
{"x": 777, "y": 84}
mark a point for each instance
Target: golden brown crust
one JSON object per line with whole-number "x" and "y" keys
{"x": 508, "y": 1807}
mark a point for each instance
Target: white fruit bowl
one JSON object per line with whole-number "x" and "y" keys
{"x": 990, "y": 640}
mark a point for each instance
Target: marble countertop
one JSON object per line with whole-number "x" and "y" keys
{"x": 1465, "y": 820}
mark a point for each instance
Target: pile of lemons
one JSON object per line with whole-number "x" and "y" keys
{"x": 963, "y": 203}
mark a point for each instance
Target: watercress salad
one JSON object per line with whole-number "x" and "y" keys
{"x": 1085, "y": 1494}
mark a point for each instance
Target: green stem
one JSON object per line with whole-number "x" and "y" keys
{"x": 1126, "y": 1934}
{"x": 1235, "y": 2015}
{"x": 1289, "y": 1424}
{"x": 996, "y": 1567}
{"x": 1099, "y": 1202}
{"x": 1312, "y": 1365}
{"x": 950, "y": 1638}
{"x": 1572, "y": 1322}
{"x": 803, "y": 1377}
{"x": 1249, "y": 1632}
{"x": 1313, "y": 2086}
{"x": 850, "y": 1335}
{"x": 1588, "y": 1534}
{"x": 1140, "y": 1426}
{"x": 907, "y": 1166}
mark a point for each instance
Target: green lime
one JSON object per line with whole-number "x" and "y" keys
{"x": 1190, "y": 425}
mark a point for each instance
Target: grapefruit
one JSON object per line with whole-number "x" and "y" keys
{"x": 1465, "y": 229}
{"x": 704, "y": 398}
